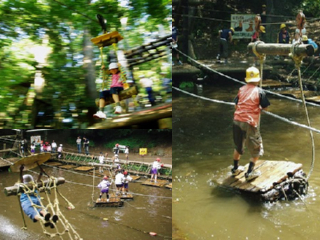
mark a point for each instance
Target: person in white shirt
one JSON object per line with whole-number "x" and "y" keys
{"x": 101, "y": 160}
{"x": 154, "y": 171}
{"x": 147, "y": 84}
{"x": 54, "y": 146}
{"x": 126, "y": 180}
{"x": 60, "y": 151}
{"x": 78, "y": 141}
{"x": 104, "y": 188}
{"x": 119, "y": 182}
{"x": 126, "y": 152}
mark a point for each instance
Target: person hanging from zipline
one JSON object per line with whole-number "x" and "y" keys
{"x": 104, "y": 187}
{"x": 30, "y": 202}
{"x": 115, "y": 82}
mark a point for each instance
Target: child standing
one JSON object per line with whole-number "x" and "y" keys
{"x": 126, "y": 152}
{"x": 119, "y": 182}
{"x": 104, "y": 187}
{"x": 115, "y": 82}
{"x": 126, "y": 180}
{"x": 60, "y": 151}
{"x": 154, "y": 171}
{"x": 101, "y": 160}
{"x": 33, "y": 149}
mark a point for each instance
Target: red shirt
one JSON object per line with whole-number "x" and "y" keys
{"x": 248, "y": 106}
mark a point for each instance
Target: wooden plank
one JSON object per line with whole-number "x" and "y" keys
{"x": 113, "y": 202}
{"x": 159, "y": 183}
{"x": 8, "y": 150}
{"x": 315, "y": 99}
{"x": 53, "y": 164}
{"x": 169, "y": 185}
{"x": 122, "y": 196}
{"x": 83, "y": 168}
{"x": 271, "y": 171}
{"x": 273, "y": 83}
{"x": 134, "y": 178}
{"x": 67, "y": 166}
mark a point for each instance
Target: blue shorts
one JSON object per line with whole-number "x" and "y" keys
{"x": 105, "y": 94}
{"x": 125, "y": 185}
{"x": 116, "y": 90}
{"x": 29, "y": 210}
{"x": 154, "y": 171}
{"x": 119, "y": 185}
{"x": 106, "y": 190}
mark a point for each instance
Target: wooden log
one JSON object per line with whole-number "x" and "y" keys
{"x": 8, "y": 150}
{"x": 14, "y": 190}
{"x": 281, "y": 49}
{"x": 107, "y": 39}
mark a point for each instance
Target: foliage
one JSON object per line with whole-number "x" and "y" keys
{"x": 65, "y": 99}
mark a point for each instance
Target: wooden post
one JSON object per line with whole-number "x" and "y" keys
{"x": 281, "y": 49}
{"x": 14, "y": 190}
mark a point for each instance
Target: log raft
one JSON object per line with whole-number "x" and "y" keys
{"x": 14, "y": 190}
{"x": 270, "y": 185}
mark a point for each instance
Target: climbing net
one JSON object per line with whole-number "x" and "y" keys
{"x": 48, "y": 187}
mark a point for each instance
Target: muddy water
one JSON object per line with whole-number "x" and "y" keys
{"x": 203, "y": 148}
{"x": 134, "y": 220}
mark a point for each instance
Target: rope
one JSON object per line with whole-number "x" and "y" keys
{"x": 241, "y": 82}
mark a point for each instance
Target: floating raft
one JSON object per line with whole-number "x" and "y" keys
{"x": 273, "y": 176}
{"x": 113, "y": 202}
{"x": 67, "y": 166}
{"x": 268, "y": 83}
{"x": 83, "y": 168}
{"x": 134, "y": 178}
{"x": 122, "y": 196}
{"x": 53, "y": 164}
{"x": 159, "y": 183}
{"x": 169, "y": 186}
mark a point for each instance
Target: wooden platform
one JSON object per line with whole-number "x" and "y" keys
{"x": 269, "y": 83}
{"x": 53, "y": 164}
{"x": 113, "y": 202}
{"x": 159, "y": 183}
{"x": 134, "y": 178}
{"x": 297, "y": 93}
{"x": 68, "y": 166}
{"x": 146, "y": 115}
{"x": 83, "y": 168}
{"x": 123, "y": 196}
{"x": 169, "y": 186}
{"x": 271, "y": 172}
{"x": 315, "y": 99}
{"x": 6, "y": 164}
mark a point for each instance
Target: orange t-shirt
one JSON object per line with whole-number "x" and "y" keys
{"x": 248, "y": 105}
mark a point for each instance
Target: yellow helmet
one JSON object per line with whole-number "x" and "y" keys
{"x": 263, "y": 29}
{"x": 252, "y": 75}
{"x": 282, "y": 26}
{"x": 232, "y": 29}
{"x": 304, "y": 38}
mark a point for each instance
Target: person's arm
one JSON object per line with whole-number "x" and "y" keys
{"x": 230, "y": 36}
{"x": 264, "y": 102}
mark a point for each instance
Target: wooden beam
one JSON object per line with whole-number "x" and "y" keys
{"x": 14, "y": 190}
{"x": 281, "y": 49}
{"x": 8, "y": 150}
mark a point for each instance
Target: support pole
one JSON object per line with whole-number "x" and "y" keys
{"x": 302, "y": 50}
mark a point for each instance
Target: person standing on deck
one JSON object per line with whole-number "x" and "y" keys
{"x": 54, "y": 146}
{"x": 78, "y": 141}
{"x": 249, "y": 102}
{"x": 86, "y": 145}
{"x": 225, "y": 36}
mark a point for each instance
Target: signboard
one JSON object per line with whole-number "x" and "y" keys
{"x": 35, "y": 139}
{"x": 243, "y": 25}
{"x": 143, "y": 151}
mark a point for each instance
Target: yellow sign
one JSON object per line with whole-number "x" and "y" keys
{"x": 143, "y": 151}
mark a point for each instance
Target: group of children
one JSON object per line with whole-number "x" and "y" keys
{"x": 47, "y": 147}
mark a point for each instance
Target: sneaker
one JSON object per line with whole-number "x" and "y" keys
{"x": 118, "y": 110}
{"x": 108, "y": 200}
{"x": 237, "y": 171}
{"x": 252, "y": 175}
{"x": 100, "y": 114}
{"x": 55, "y": 218}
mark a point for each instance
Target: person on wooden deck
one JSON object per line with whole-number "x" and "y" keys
{"x": 249, "y": 102}
{"x": 126, "y": 152}
{"x": 154, "y": 171}
{"x": 60, "y": 149}
{"x": 104, "y": 188}
{"x": 119, "y": 182}
{"x": 126, "y": 180}
{"x": 101, "y": 161}
{"x": 225, "y": 36}
{"x": 78, "y": 141}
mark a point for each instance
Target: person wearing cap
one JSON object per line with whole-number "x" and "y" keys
{"x": 116, "y": 149}
{"x": 175, "y": 42}
{"x": 256, "y": 35}
{"x": 248, "y": 104}
{"x": 126, "y": 179}
{"x": 225, "y": 36}
{"x": 34, "y": 213}
{"x": 54, "y": 146}
{"x": 78, "y": 141}
{"x": 119, "y": 181}
{"x": 283, "y": 36}
{"x": 154, "y": 170}
{"x": 60, "y": 151}
{"x": 306, "y": 40}
{"x": 33, "y": 149}
{"x": 104, "y": 188}
{"x": 115, "y": 83}
{"x": 147, "y": 83}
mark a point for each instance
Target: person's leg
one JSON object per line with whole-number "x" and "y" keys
{"x": 254, "y": 141}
